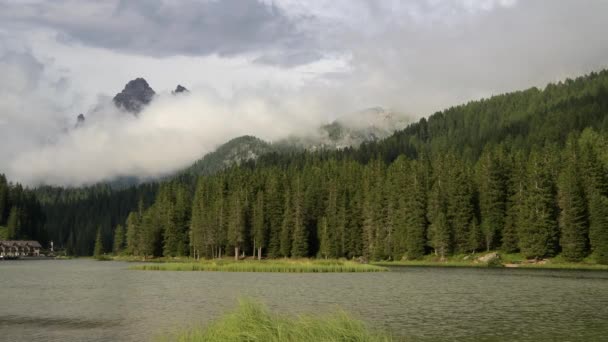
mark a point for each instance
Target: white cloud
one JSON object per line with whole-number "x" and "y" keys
{"x": 319, "y": 59}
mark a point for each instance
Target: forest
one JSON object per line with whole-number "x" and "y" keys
{"x": 520, "y": 172}
{"x": 21, "y": 215}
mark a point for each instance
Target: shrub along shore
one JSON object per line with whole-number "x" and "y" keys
{"x": 512, "y": 260}
{"x": 277, "y": 265}
{"x": 253, "y": 322}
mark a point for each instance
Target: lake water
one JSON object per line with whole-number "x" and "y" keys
{"x": 86, "y": 300}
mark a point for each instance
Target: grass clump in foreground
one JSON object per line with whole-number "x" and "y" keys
{"x": 253, "y": 322}
{"x": 284, "y": 265}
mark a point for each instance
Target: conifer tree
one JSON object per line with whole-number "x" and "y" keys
{"x": 119, "y": 239}
{"x": 287, "y": 226}
{"x": 515, "y": 203}
{"x": 324, "y": 240}
{"x": 598, "y": 230}
{"x": 492, "y": 185}
{"x": 259, "y": 224}
{"x": 198, "y": 229}
{"x": 439, "y": 235}
{"x": 415, "y": 211}
{"x": 236, "y": 222}
{"x": 573, "y": 222}
{"x": 274, "y": 206}
{"x": 4, "y": 207}
{"x": 537, "y": 232}
{"x": 132, "y": 235}
{"x": 98, "y": 250}
{"x": 299, "y": 246}
{"x": 13, "y": 224}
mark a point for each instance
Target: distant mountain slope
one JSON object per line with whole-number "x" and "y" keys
{"x": 523, "y": 119}
{"x": 452, "y": 140}
{"x": 234, "y": 152}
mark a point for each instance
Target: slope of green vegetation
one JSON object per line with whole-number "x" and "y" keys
{"x": 521, "y": 172}
{"x": 253, "y": 322}
{"x": 281, "y": 265}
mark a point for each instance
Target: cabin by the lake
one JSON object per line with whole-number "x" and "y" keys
{"x": 19, "y": 248}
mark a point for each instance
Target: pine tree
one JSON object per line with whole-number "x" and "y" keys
{"x": 236, "y": 222}
{"x": 13, "y": 224}
{"x": 415, "y": 211}
{"x": 598, "y": 229}
{"x": 492, "y": 185}
{"x": 573, "y": 217}
{"x": 515, "y": 204}
{"x": 324, "y": 240}
{"x": 198, "y": 229}
{"x": 459, "y": 203}
{"x": 475, "y": 237}
{"x": 4, "y": 204}
{"x": 98, "y": 250}
{"x": 538, "y": 232}
{"x": 133, "y": 231}
{"x": 439, "y": 235}
{"x": 119, "y": 239}
{"x": 299, "y": 246}
{"x": 274, "y": 206}
{"x": 287, "y": 226}
{"x": 259, "y": 224}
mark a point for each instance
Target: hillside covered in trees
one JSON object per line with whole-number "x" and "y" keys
{"x": 525, "y": 171}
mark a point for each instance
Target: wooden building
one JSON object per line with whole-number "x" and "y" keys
{"x": 19, "y": 248}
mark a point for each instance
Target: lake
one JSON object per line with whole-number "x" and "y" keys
{"x": 87, "y": 300}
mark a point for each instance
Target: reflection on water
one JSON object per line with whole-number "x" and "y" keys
{"x": 85, "y": 300}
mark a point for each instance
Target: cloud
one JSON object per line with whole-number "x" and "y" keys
{"x": 254, "y": 65}
{"x": 168, "y": 135}
{"x": 166, "y": 28}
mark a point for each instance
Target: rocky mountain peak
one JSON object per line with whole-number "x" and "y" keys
{"x": 80, "y": 120}
{"x": 180, "y": 89}
{"x": 136, "y": 94}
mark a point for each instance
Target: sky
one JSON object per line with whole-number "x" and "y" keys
{"x": 260, "y": 67}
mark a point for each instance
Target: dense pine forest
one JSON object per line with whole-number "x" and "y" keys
{"x": 21, "y": 215}
{"x": 521, "y": 172}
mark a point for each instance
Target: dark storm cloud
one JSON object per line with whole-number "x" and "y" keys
{"x": 167, "y": 28}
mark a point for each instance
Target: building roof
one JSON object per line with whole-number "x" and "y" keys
{"x": 21, "y": 243}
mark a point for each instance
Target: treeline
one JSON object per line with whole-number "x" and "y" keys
{"x": 21, "y": 215}
{"x": 521, "y": 133}
{"x": 549, "y": 201}
{"x": 75, "y": 215}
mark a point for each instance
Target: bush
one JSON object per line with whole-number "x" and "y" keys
{"x": 253, "y": 322}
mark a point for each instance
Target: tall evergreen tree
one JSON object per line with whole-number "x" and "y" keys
{"x": 299, "y": 246}
{"x": 119, "y": 239}
{"x": 13, "y": 224}
{"x": 98, "y": 250}
{"x": 259, "y": 225}
{"x": 133, "y": 232}
{"x": 598, "y": 230}
{"x": 538, "y": 231}
{"x": 573, "y": 222}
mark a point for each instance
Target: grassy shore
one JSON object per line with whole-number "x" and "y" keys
{"x": 253, "y": 322}
{"x": 277, "y": 265}
{"x": 514, "y": 260}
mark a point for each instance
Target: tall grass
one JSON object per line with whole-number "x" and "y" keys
{"x": 253, "y": 322}
{"x": 509, "y": 260}
{"x": 284, "y": 265}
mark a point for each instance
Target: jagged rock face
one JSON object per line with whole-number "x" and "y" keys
{"x": 180, "y": 89}
{"x": 80, "y": 120}
{"x": 135, "y": 96}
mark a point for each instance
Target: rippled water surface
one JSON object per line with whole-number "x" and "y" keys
{"x": 85, "y": 300}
